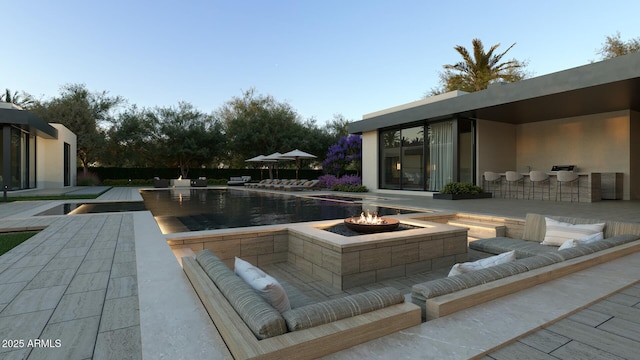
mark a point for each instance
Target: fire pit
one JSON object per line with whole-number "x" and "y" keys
{"x": 371, "y": 223}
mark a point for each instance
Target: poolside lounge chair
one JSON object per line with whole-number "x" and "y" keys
{"x": 262, "y": 184}
{"x": 305, "y": 185}
{"x": 238, "y": 180}
{"x": 199, "y": 182}
{"x": 160, "y": 183}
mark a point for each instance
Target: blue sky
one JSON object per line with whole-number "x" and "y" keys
{"x": 322, "y": 57}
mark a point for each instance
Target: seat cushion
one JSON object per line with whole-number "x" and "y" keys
{"x": 332, "y": 310}
{"x": 263, "y": 320}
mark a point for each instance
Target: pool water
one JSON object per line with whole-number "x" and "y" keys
{"x": 178, "y": 210}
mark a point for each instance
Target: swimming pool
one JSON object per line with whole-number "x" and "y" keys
{"x": 179, "y": 210}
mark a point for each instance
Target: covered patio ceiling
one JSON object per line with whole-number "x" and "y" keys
{"x": 621, "y": 95}
{"x": 600, "y": 87}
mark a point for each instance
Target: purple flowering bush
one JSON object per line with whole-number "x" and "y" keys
{"x": 343, "y": 155}
{"x": 350, "y": 183}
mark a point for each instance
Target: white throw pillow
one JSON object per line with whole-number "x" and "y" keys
{"x": 268, "y": 287}
{"x": 503, "y": 258}
{"x": 559, "y": 232}
{"x": 585, "y": 240}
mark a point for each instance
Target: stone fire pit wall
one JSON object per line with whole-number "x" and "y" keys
{"x": 355, "y": 261}
{"x": 343, "y": 262}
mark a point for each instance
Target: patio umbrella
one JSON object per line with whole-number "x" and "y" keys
{"x": 261, "y": 159}
{"x": 276, "y": 156}
{"x": 297, "y": 155}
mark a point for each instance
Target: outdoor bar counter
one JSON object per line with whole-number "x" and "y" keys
{"x": 589, "y": 186}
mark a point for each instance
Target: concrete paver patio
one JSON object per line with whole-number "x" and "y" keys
{"x": 108, "y": 286}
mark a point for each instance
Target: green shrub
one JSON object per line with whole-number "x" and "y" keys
{"x": 88, "y": 179}
{"x": 217, "y": 182}
{"x": 461, "y": 188}
{"x": 350, "y": 188}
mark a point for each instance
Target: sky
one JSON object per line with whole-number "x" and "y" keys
{"x": 323, "y": 57}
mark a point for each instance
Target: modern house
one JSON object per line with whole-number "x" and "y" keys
{"x": 34, "y": 153}
{"x": 588, "y": 116}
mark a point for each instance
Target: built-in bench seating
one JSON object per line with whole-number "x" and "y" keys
{"x": 536, "y": 263}
{"x": 252, "y": 328}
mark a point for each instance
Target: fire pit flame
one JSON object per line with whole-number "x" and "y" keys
{"x": 371, "y": 223}
{"x": 370, "y": 219}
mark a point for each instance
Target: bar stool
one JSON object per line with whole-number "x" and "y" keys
{"x": 492, "y": 179}
{"x": 540, "y": 177}
{"x": 570, "y": 177}
{"x": 514, "y": 178}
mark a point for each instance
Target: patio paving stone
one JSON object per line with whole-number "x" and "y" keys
{"x": 120, "y": 313}
{"x": 34, "y": 300}
{"x": 79, "y": 305}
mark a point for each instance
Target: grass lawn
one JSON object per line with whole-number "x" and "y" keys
{"x": 10, "y": 240}
{"x": 50, "y": 197}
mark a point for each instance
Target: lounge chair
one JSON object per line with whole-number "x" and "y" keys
{"x": 238, "y": 180}
{"x": 306, "y": 185}
{"x": 199, "y": 182}
{"x": 160, "y": 183}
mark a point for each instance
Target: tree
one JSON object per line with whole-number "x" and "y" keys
{"x": 258, "y": 124}
{"x": 132, "y": 141}
{"x": 478, "y": 69}
{"x": 23, "y": 100}
{"x": 346, "y": 154}
{"x": 614, "y": 47}
{"x": 83, "y": 112}
{"x": 187, "y": 138}
{"x": 338, "y": 126}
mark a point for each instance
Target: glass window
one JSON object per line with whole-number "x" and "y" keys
{"x": 425, "y": 157}
{"x": 390, "y": 159}
{"x": 412, "y": 166}
{"x": 440, "y": 154}
{"x": 17, "y": 159}
{"x": 466, "y": 140}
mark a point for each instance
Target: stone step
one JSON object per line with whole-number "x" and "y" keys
{"x": 480, "y": 229}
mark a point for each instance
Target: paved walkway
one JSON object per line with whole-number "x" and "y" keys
{"x": 74, "y": 286}
{"x": 107, "y": 286}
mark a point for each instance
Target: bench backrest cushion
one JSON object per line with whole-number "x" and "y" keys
{"x": 535, "y": 226}
{"x": 263, "y": 320}
{"x": 332, "y": 310}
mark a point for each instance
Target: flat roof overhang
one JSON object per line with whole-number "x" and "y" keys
{"x": 28, "y": 122}
{"x": 605, "y": 86}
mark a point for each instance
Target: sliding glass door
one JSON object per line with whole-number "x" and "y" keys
{"x": 427, "y": 157}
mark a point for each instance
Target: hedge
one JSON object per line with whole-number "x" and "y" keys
{"x": 144, "y": 174}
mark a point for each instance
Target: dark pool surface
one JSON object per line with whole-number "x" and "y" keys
{"x": 178, "y": 210}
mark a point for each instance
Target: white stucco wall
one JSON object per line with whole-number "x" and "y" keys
{"x": 496, "y": 148}
{"x": 594, "y": 143}
{"x": 50, "y": 158}
{"x": 370, "y": 161}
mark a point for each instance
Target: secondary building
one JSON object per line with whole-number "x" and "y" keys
{"x": 34, "y": 153}
{"x": 588, "y": 117}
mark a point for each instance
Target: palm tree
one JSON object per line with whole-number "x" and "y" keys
{"x": 476, "y": 72}
{"x": 23, "y": 100}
